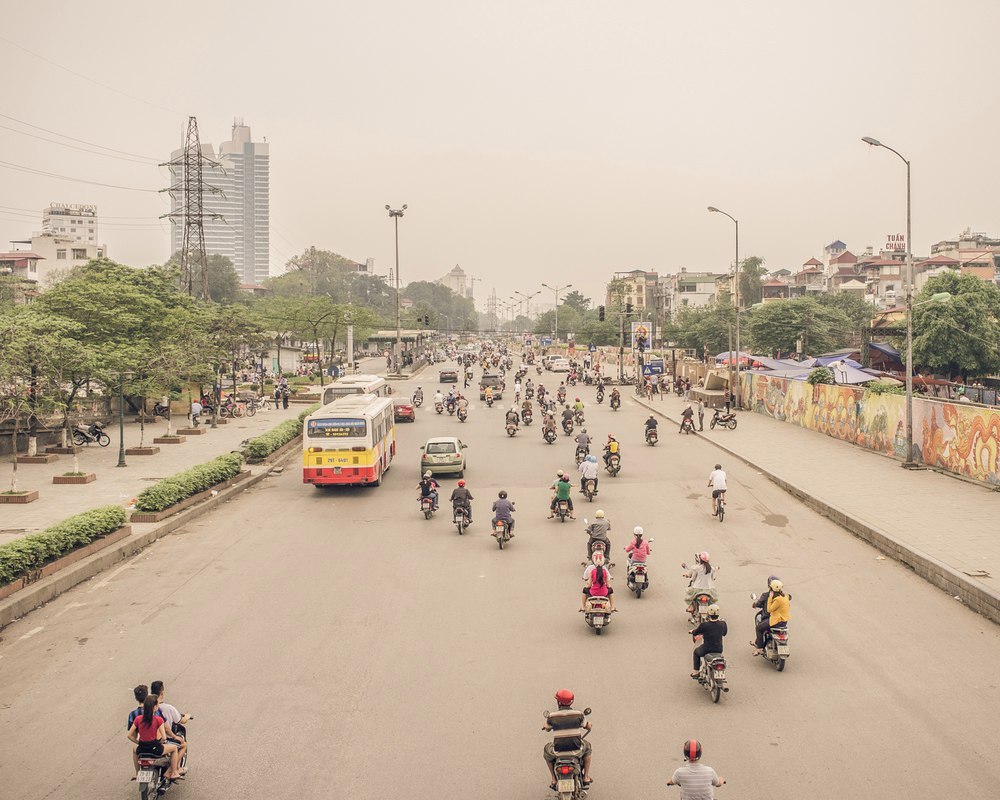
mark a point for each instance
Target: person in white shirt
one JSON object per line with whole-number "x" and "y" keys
{"x": 588, "y": 472}
{"x": 717, "y": 480}
{"x": 438, "y": 397}
{"x": 695, "y": 779}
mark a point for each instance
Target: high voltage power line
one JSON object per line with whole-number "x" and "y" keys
{"x": 33, "y": 171}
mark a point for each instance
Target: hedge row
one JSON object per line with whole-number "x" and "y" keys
{"x": 22, "y": 556}
{"x": 265, "y": 444}
{"x": 172, "y": 490}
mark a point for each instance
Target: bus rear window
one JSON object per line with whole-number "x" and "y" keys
{"x": 333, "y": 428}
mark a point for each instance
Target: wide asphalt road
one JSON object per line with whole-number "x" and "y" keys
{"x": 334, "y": 644}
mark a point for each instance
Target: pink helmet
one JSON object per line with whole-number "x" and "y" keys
{"x": 703, "y": 557}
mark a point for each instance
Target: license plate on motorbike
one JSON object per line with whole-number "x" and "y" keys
{"x": 782, "y": 649}
{"x": 565, "y": 785}
{"x": 598, "y": 620}
{"x": 144, "y": 776}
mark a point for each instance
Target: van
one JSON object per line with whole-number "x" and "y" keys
{"x": 493, "y": 381}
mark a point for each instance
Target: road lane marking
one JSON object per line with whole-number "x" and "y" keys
{"x": 70, "y": 607}
{"x": 113, "y": 575}
{"x": 32, "y": 632}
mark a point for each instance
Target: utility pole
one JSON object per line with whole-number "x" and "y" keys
{"x": 395, "y": 214}
{"x": 191, "y": 187}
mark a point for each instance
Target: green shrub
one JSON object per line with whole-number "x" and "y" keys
{"x": 820, "y": 375}
{"x": 265, "y": 444}
{"x": 880, "y": 387}
{"x": 172, "y": 490}
{"x": 21, "y": 556}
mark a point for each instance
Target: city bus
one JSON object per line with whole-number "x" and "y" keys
{"x": 350, "y": 441}
{"x": 356, "y": 384}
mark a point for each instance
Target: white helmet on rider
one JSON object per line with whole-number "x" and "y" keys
{"x": 637, "y": 530}
{"x": 713, "y": 610}
{"x": 427, "y": 474}
{"x": 600, "y": 513}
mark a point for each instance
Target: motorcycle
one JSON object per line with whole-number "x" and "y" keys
{"x": 501, "y": 532}
{"x": 529, "y": 392}
{"x": 152, "y": 770}
{"x": 538, "y": 370}
{"x": 687, "y": 425}
{"x": 582, "y": 451}
{"x": 160, "y": 410}
{"x": 549, "y": 436}
{"x": 598, "y": 613}
{"x": 725, "y": 420}
{"x": 91, "y": 433}
{"x": 590, "y": 489}
{"x": 511, "y": 429}
{"x": 567, "y": 746}
{"x": 568, "y": 427}
{"x": 561, "y": 396}
{"x": 651, "y": 437}
{"x": 699, "y": 603}
{"x": 451, "y": 409}
{"x": 616, "y": 403}
{"x": 463, "y": 415}
{"x": 489, "y": 402}
{"x": 439, "y": 407}
{"x": 427, "y": 507}
{"x": 600, "y": 397}
{"x": 578, "y": 417}
{"x": 526, "y": 417}
{"x": 460, "y": 516}
{"x": 712, "y": 676}
{"x": 562, "y": 509}
{"x": 418, "y": 400}
{"x": 613, "y": 465}
{"x": 637, "y": 577}
{"x": 775, "y": 640}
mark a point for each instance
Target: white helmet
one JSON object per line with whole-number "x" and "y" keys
{"x": 427, "y": 474}
{"x": 637, "y": 530}
{"x": 559, "y": 473}
{"x": 599, "y": 514}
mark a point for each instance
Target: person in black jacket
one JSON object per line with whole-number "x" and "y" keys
{"x": 711, "y": 631}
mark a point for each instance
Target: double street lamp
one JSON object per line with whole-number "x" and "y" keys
{"x": 557, "y": 290}
{"x": 395, "y": 214}
{"x": 736, "y": 295}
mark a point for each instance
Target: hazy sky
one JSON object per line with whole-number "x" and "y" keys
{"x": 541, "y": 140}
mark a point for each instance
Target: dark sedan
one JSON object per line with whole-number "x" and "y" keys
{"x": 448, "y": 376}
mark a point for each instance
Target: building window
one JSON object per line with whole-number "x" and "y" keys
{"x": 60, "y": 255}
{"x": 79, "y": 252}
{"x": 32, "y": 266}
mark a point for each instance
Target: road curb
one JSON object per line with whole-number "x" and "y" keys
{"x": 979, "y": 598}
{"x": 47, "y": 589}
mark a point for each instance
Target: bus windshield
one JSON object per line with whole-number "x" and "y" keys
{"x": 337, "y": 428}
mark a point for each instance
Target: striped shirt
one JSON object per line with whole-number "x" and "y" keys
{"x": 696, "y": 782}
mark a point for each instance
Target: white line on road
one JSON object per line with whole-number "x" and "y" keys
{"x": 70, "y": 607}
{"x": 32, "y": 632}
{"x": 114, "y": 574}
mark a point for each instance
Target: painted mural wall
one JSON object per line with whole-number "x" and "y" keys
{"x": 956, "y": 437}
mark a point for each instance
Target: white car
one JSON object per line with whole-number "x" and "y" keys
{"x": 559, "y": 365}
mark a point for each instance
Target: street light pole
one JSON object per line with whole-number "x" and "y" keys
{"x": 557, "y": 289}
{"x": 909, "y": 463}
{"x": 121, "y": 421}
{"x": 736, "y": 294}
{"x": 395, "y": 214}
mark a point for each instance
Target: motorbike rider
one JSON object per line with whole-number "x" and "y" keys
{"x": 638, "y": 549}
{"x": 564, "y": 702}
{"x": 777, "y": 616}
{"x": 616, "y": 397}
{"x": 695, "y": 779}
{"x": 702, "y": 577}
{"x": 596, "y": 560}
{"x": 512, "y": 418}
{"x": 583, "y": 441}
{"x": 567, "y": 416}
{"x": 578, "y": 406}
{"x": 149, "y": 732}
{"x": 526, "y": 407}
{"x": 429, "y": 488}
{"x": 438, "y": 398}
{"x": 418, "y": 396}
{"x": 461, "y": 497}
{"x": 463, "y": 403}
{"x": 687, "y": 416}
{"x": 597, "y": 531}
{"x": 611, "y": 448}
{"x": 488, "y": 394}
{"x": 548, "y": 423}
{"x": 588, "y": 472}
{"x": 711, "y": 632}
{"x": 717, "y": 480}
{"x": 650, "y": 424}
{"x": 503, "y": 509}
{"x": 563, "y": 491}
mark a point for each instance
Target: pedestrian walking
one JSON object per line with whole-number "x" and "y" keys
{"x": 729, "y": 399}
{"x": 196, "y": 409}
{"x": 284, "y": 396}
{"x": 687, "y": 388}
{"x": 701, "y": 414}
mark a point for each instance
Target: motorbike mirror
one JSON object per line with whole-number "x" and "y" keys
{"x": 586, "y": 521}
{"x": 545, "y": 714}
{"x": 586, "y": 712}
{"x": 753, "y": 595}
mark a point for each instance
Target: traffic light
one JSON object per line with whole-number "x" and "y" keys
{"x": 425, "y": 319}
{"x": 600, "y": 313}
{"x": 628, "y": 308}
{"x": 640, "y": 343}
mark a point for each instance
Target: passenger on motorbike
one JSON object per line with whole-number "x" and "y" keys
{"x": 711, "y": 632}
{"x": 418, "y": 396}
{"x": 548, "y": 423}
{"x": 149, "y": 732}
{"x": 717, "y": 480}
{"x": 616, "y": 396}
{"x": 598, "y": 586}
{"x": 611, "y": 448}
{"x": 438, "y": 398}
{"x": 702, "y": 580}
{"x": 503, "y": 509}
{"x": 596, "y": 560}
{"x": 563, "y": 490}
{"x": 777, "y": 608}
{"x": 429, "y": 488}
{"x": 462, "y": 498}
{"x": 588, "y": 472}
{"x": 564, "y": 702}
{"x": 598, "y": 532}
{"x": 687, "y": 416}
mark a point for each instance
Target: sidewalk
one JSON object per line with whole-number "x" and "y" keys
{"x": 945, "y": 529}
{"x": 118, "y": 485}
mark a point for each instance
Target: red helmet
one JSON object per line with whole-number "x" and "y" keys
{"x": 564, "y": 697}
{"x": 692, "y": 750}
{"x": 461, "y": 483}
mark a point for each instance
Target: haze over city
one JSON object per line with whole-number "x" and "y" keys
{"x": 566, "y": 138}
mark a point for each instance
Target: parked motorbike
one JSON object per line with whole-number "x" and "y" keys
{"x": 725, "y": 420}
{"x": 501, "y": 532}
{"x": 614, "y": 464}
{"x": 775, "y": 640}
{"x": 651, "y": 437}
{"x": 712, "y": 676}
{"x": 549, "y": 436}
{"x": 439, "y": 408}
{"x": 597, "y": 613}
{"x": 85, "y": 434}
{"x": 463, "y": 415}
{"x": 567, "y": 745}
{"x": 427, "y": 507}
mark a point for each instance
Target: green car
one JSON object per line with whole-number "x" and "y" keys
{"x": 443, "y": 455}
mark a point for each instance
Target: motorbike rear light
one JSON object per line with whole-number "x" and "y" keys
{"x": 704, "y": 599}
{"x": 781, "y": 636}
{"x": 719, "y": 666}
{"x": 566, "y": 769}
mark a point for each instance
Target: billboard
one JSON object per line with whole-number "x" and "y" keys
{"x": 642, "y": 330}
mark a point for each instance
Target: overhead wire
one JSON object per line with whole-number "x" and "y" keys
{"x": 33, "y": 171}
{"x": 139, "y": 160}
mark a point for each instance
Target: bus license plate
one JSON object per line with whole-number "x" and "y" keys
{"x": 565, "y": 785}
{"x": 145, "y": 776}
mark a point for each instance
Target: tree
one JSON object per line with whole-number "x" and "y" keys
{"x": 960, "y": 337}
{"x": 858, "y": 310}
{"x": 223, "y": 282}
{"x": 702, "y": 328}
{"x": 577, "y": 302}
{"x": 776, "y": 328}
{"x": 435, "y": 297}
{"x": 751, "y": 272}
